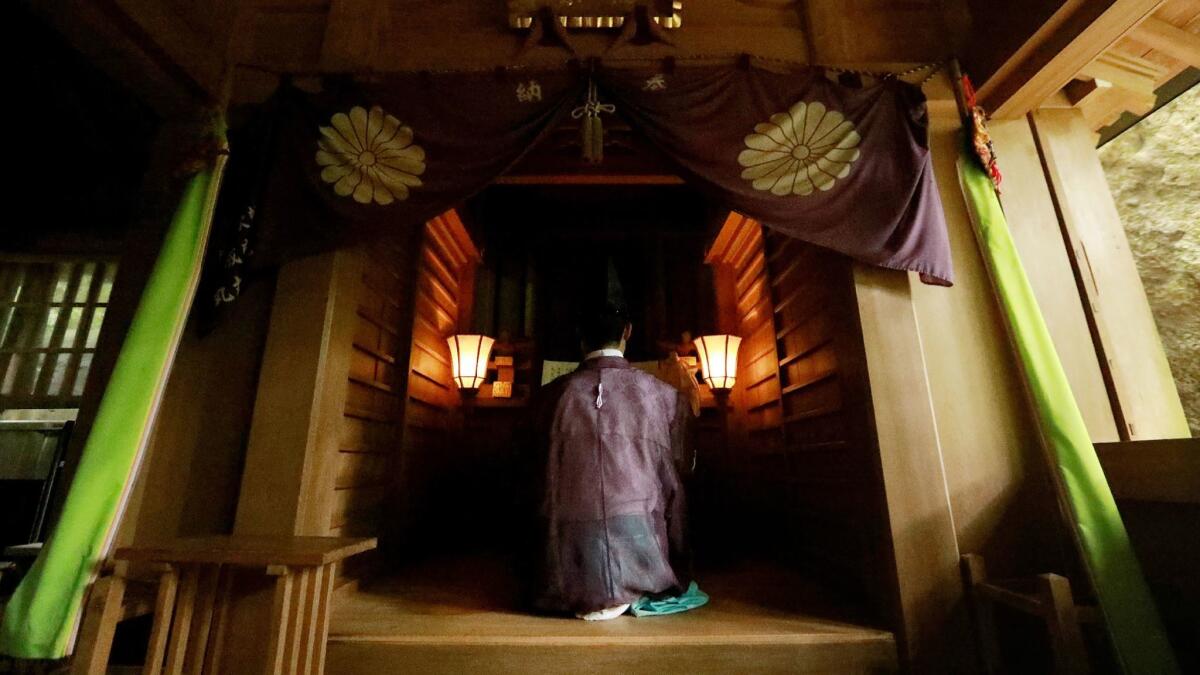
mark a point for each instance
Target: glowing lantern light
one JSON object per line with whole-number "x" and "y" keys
{"x": 718, "y": 360}
{"x": 469, "y": 359}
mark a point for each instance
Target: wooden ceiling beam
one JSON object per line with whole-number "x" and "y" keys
{"x": 1107, "y": 104}
{"x": 121, "y": 45}
{"x": 1169, "y": 39}
{"x": 1121, "y": 83}
{"x": 1082, "y": 92}
{"x": 1125, "y": 72}
{"x": 1118, "y": 83}
{"x": 1075, "y": 35}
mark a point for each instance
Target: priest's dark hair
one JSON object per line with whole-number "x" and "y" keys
{"x": 602, "y": 324}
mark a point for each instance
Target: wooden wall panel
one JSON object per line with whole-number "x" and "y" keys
{"x": 1146, "y": 398}
{"x": 396, "y": 415}
{"x": 800, "y": 467}
{"x": 924, "y": 550}
{"x": 995, "y": 473}
{"x": 740, "y": 252}
{"x": 369, "y": 431}
{"x": 835, "y": 505}
{"x": 188, "y": 484}
{"x": 360, "y": 469}
{"x": 1036, "y": 231}
{"x": 291, "y": 452}
{"x": 362, "y": 435}
{"x": 443, "y": 285}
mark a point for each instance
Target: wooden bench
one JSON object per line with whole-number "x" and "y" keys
{"x": 1047, "y": 596}
{"x": 191, "y": 602}
{"x": 115, "y": 597}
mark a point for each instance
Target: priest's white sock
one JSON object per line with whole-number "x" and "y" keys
{"x": 604, "y": 614}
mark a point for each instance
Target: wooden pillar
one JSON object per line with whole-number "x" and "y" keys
{"x": 1035, "y": 229}
{"x": 287, "y": 484}
{"x": 1143, "y": 391}
{"x": 104, "y": 611}
{"x": 924, "y": 544}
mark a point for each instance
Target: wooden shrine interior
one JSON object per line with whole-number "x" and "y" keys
{"x": 858, "y": 502}
{"x": 788, "y": 496}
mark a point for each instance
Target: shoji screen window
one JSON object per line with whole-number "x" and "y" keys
{"x": 51, "y": 313}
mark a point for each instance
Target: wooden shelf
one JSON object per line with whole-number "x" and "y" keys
{"x": 387, "y": 295}
{"x": 414, "y": 397}
{"x": 391, "y": 360}
{"x": 769, "y": 350}
{"x": 373, "y": 384}
{"x": 789, "y": 358}
{"x": 791, "y": 267}
{"x": 762, "y": 380}
{"x": 764, "y": 405}
{"x": 804, "y": 352}
{"x": 783, "y": 332}
{"x": 809, "y": 414}
{"x": 787, "y": 245}
{"x": 391, "y": 330}
{"x": 788, "y": 300}
{"x": 367, "y": 415}
{"x": 793, "y": 388}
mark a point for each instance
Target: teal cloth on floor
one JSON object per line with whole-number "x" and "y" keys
{"x": 692, "y": 598}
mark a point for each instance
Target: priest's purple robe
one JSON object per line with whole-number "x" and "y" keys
{"x": 612, "y": 504}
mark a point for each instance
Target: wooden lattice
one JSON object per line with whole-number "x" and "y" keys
{"x": 51, "y": 312}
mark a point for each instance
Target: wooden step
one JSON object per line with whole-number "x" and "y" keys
{"x": 461, "y": 616}
{"x": 357, "y": 658}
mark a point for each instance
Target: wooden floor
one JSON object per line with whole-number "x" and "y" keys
{"x": 462, "y": 616}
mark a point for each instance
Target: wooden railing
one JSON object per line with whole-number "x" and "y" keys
{"x": 1165, "y": 470}
{"x": 1157, "y": 488}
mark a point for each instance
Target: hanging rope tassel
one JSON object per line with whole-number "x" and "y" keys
{"x": 597, "y": 139}
{"x": 591, "y": 128}
{"x": 586, "y": 130}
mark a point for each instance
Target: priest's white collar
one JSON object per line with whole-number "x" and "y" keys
{"x": 604, "y": 352}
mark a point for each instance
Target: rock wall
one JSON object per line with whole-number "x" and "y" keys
{"x": 1154, "y": 173}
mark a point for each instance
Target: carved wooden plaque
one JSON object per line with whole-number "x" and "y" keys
{"x": 594, "y": 13}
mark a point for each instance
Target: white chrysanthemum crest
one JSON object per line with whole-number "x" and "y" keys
{"x": 369, "y": 156}
{"x": 807, "y": 148}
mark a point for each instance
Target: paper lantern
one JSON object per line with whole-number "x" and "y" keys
{"x": 469, "y": 359}
{"x": 718, "y": 359}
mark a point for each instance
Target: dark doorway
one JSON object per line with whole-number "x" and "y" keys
{"x": 547, "y": 248}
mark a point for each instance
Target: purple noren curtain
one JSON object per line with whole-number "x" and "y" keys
{"x": 844, "y": 168}
{"x": 847, "y": 168}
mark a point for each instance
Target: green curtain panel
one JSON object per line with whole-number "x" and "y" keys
{"x": 42, "y": 617}
{"x": 1129, "y": 611}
